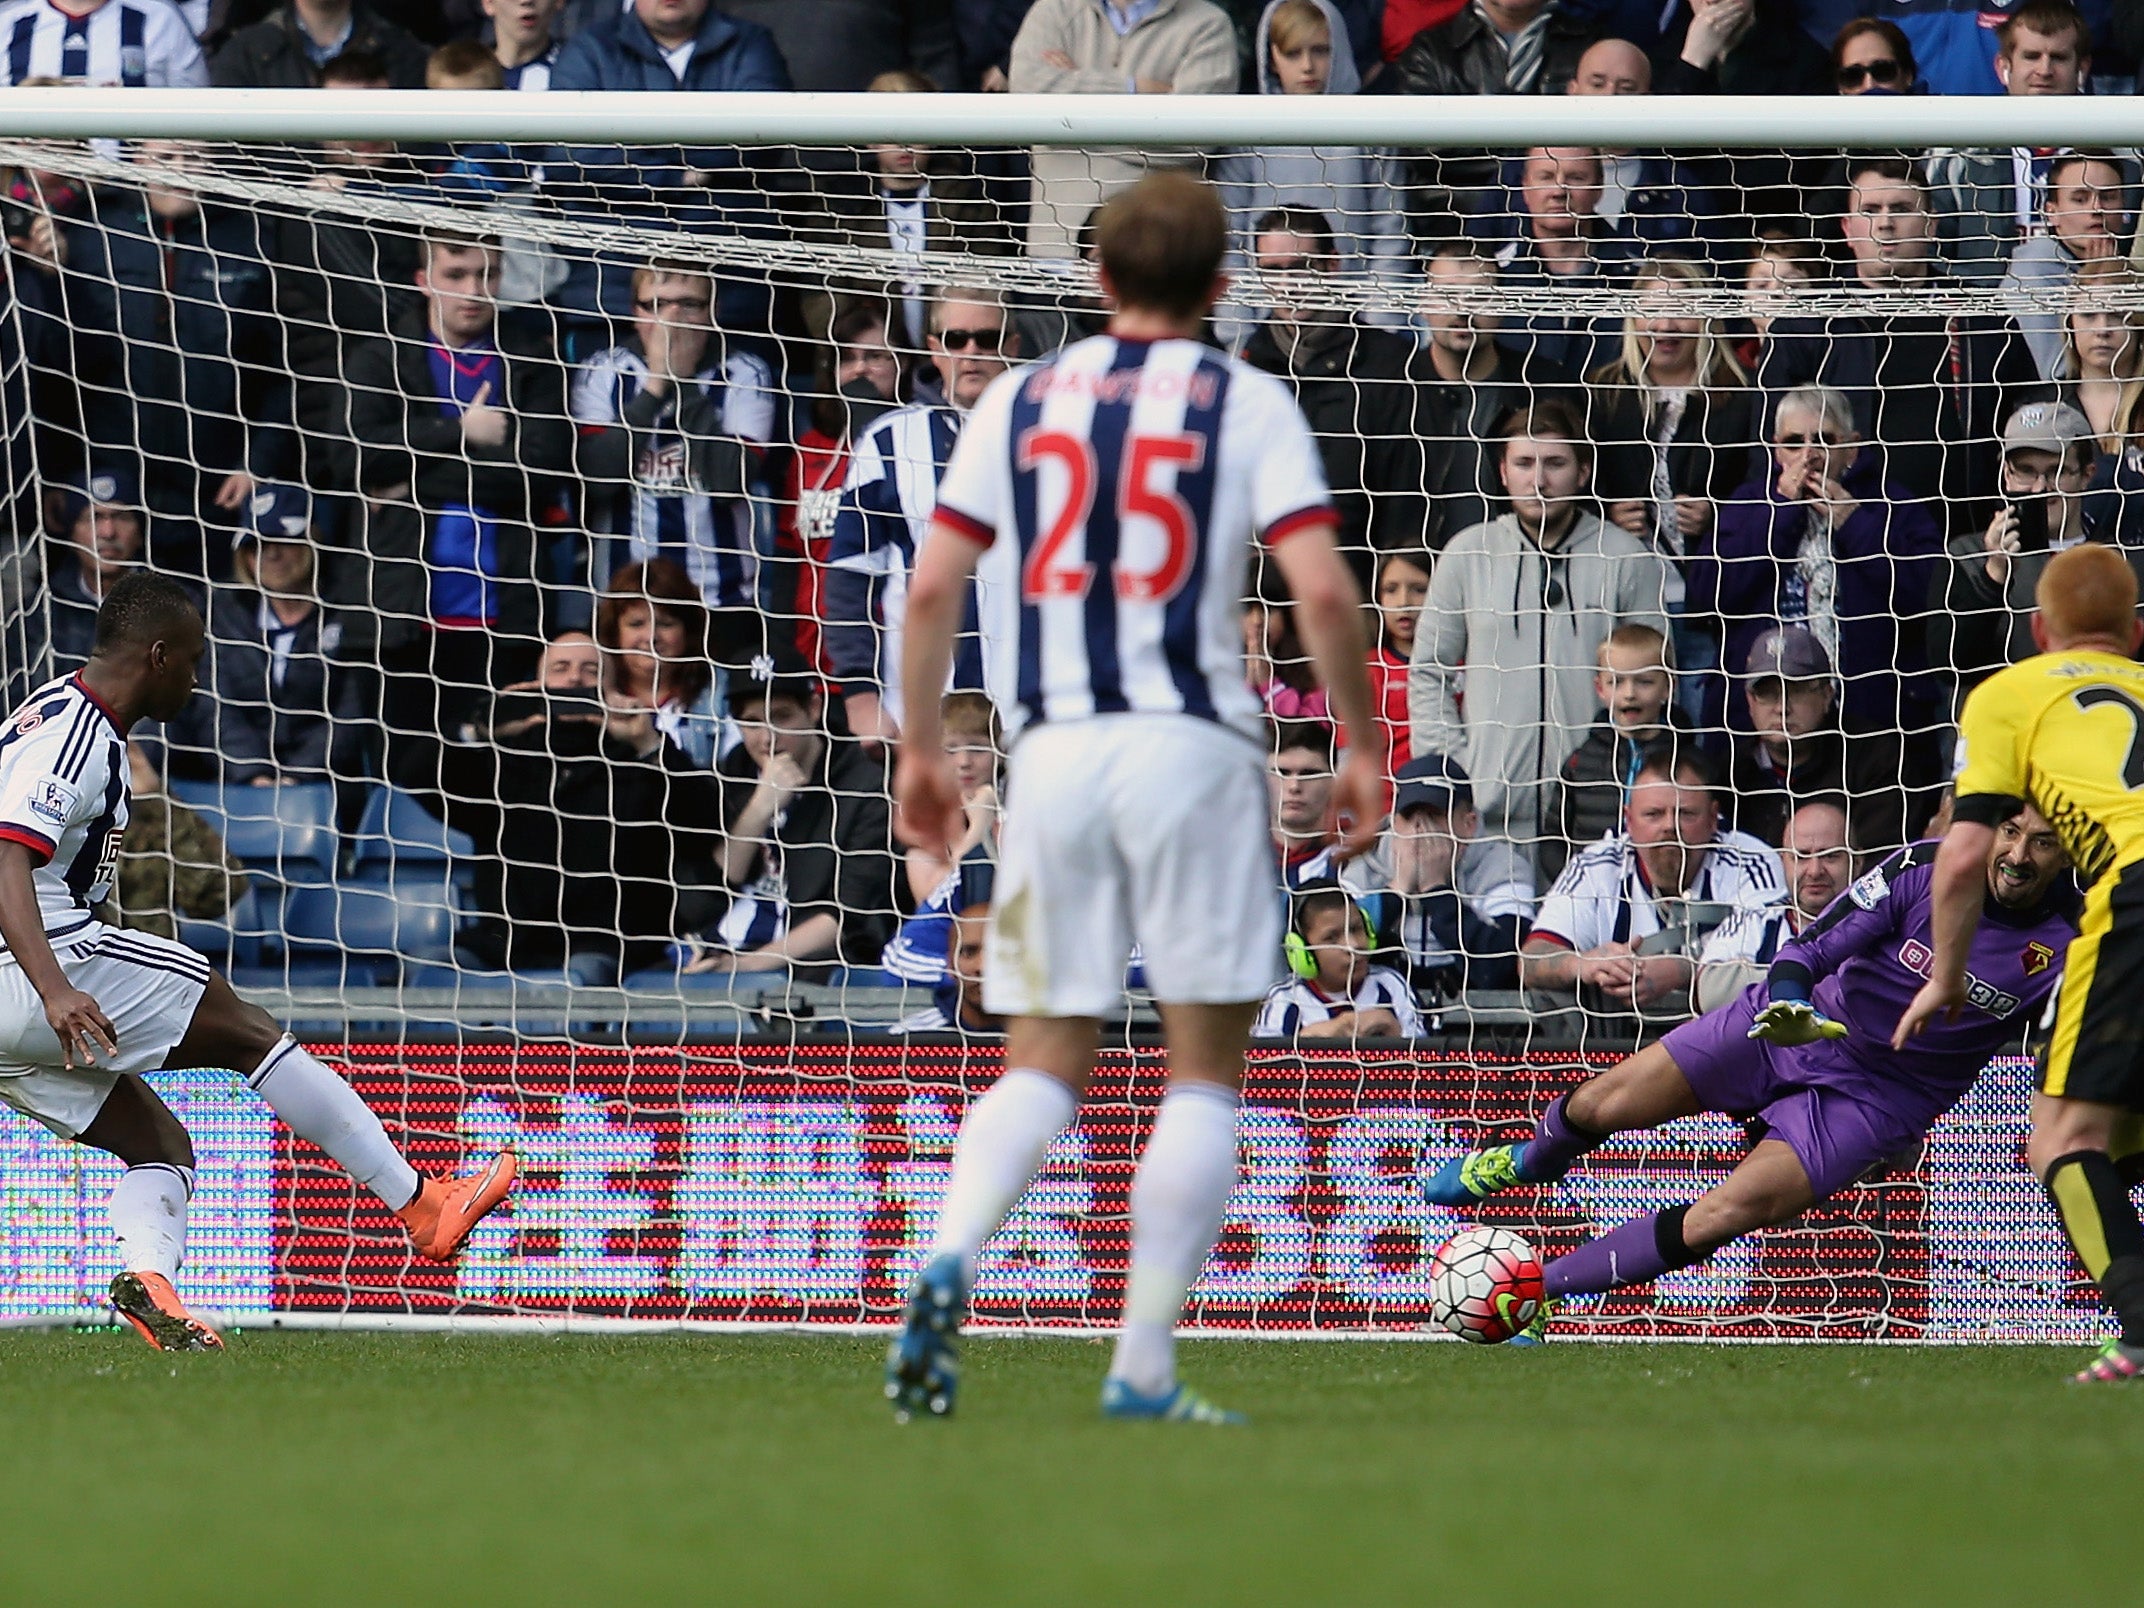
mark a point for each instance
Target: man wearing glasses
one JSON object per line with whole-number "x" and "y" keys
{"x": 886, "y": 507}
{"x": 673, "y": 423}
{"x": 1933, "y": 387}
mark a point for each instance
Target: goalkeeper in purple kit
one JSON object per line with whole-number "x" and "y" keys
{"x": 1807, "y": 1053}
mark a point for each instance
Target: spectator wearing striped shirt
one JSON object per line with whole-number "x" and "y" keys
{"x": 886, "y": 507}
{"x": 673, "y": 423}
{"x": 523, "y": 39}
{"x": 922, "y": 951}
{"x": 1335, "y": 990}
{"x": 1621, "y": 926}
{"x": 1818, "y": 864}
{"x": 134, "y": 44}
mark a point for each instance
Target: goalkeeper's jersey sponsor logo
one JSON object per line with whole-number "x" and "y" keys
{"x": 1919, "y": 959}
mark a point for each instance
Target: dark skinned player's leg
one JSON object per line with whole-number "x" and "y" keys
{"x": 314, "y": 1103}
{"x": 147, "y": 1210}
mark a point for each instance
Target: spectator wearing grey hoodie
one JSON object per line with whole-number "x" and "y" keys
{"x": 1302, "y": 50}
{"x": 1523, "y": 603}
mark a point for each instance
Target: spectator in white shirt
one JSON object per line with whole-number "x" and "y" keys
{"x": 1334, "y": 991}
{"x": 1625, "y": 917}
{"x": 133, "y": 44}
{"x": 1819, "y": 864}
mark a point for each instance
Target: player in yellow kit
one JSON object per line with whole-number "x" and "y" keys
{"x": 2064, "y": 730}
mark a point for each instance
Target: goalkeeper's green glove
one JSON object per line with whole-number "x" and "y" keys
{"x": 1789, "y": 1022}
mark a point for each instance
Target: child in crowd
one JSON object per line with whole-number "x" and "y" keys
{"x": 920, "y": 951}
{"x": 1402, "y": 585}
{"x": 1277, "y": 667}
{"x": 1335, "y": 992}
{"x": 1639, "y": 720}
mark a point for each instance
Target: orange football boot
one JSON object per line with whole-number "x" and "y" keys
{"x": 148, "y": 1301}
{"x": 445, "y": 1210}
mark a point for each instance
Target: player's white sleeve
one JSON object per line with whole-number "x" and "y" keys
{"x": 51, "y": 775}
{"x": 975, "y": 492}
{"x": 1288, "y": 489}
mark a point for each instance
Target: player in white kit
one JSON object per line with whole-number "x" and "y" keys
{"x": 86, "y": 1008}
{"x": 1106, "y": 500}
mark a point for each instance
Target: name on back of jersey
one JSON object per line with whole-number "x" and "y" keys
{"x": 1200, "y": 385}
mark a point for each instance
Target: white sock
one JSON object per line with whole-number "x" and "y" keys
{"x": 1178, "y": 1201}
{"x": 147, "y": 1211}
{"x": 1002, "y": 1144}
{"x": 321, "y": 1109}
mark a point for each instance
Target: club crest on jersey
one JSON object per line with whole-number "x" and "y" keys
{"x": 2037, "y": 957}
{"x": 52, "y": 800}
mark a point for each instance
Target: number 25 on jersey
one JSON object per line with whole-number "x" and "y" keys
{"x": 1051, "y": 572}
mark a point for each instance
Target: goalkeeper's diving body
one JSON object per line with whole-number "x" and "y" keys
{"x": 2064, "y": 730}
{"x": 1808, "y": 1054}
{"x": 86, "y": 1009}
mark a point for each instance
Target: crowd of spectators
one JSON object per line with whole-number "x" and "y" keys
{"x": 602, "y": 557}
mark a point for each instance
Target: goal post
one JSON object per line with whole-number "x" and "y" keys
{"x": 508, "y": 894}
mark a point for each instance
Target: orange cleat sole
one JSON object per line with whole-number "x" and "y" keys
{"x": 149, "y": 1303}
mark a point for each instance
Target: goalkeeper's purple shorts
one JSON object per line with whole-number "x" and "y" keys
{"x": 1816, "y": 1099}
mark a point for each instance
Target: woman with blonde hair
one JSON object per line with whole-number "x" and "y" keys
{"x": 2101, "y": 369}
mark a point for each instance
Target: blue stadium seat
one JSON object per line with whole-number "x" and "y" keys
{"x": 397, "y": 830}
{"x": 238, "y": 935}
{"x": 410, "y": 916}
{"x": 285, "y": 832}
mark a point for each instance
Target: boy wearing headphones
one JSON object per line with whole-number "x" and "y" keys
{"x": 1333, "y": 990}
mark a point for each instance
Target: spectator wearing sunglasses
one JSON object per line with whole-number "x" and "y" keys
{"x": 1824, "y": 542}
{"x": 1874, "y": 57}
{"x": 672, "y": 425}
{"x": 886, "y": 506}
{"x": 1523, "y": 603}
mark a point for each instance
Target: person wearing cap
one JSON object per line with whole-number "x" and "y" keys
{"x": 1795, "y": 753}
{"x": 1456, "y": 903}
{"x": 1825, "y": 540}
{"x": 282, "y": 702}
{"x": 101, "y": 518}
{"x": 1980, "y": 616}
{"x": 809, "y": 859}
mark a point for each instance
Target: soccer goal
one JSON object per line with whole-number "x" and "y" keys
{"x": 549, "y": 467}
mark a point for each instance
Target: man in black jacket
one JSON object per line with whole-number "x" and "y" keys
{"x": 1495, "y": 47}
{"x": 809, "y": 857}
{"x": 1351, "y": 382}
{"x": 597, "y": 838}
{"x": 287, "y": 48}
{"x": 461, "y": 431}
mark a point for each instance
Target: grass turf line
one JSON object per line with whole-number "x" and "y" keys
{"x": 410, "y": 1469}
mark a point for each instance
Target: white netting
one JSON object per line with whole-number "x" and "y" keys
{"x": 236, "y": 335}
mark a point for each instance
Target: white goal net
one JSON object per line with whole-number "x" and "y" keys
{"x": 549, "y": 475}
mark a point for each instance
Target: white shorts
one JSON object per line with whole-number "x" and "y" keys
{"x": 1133, "y": 828}
{"x": 148, "y": 986}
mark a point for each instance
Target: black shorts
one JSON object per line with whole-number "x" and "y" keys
{"x": 2095, "y": 1050}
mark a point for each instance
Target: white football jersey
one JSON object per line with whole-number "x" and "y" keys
{"x": 1117, "y": 487}
{"x": 137, "y": 44}
{"x": 65, "y": 796}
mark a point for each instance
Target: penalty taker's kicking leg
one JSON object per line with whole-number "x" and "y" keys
{"x": 322, "y": 1109}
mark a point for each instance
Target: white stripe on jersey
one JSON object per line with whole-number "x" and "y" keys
{"x": 64, "y": 795}
{"x": 1296, "y": 1004}
{"x": 137, "y": 43}
{"x": 1118, "y": 486}
{"x": 1602, "y": 895}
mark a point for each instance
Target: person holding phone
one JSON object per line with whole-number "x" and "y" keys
{"x": 1982, "y": 603}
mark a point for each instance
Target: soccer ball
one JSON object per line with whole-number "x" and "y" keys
{"x": 1485, "y": 1285}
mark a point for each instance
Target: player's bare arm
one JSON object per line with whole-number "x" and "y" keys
{"x": 927, "y": 812}
{"x": 77, "y": 1020}
{"x": 1959, "y": 888}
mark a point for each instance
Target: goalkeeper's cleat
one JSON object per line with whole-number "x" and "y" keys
{"x": 922, "y": 1372}
{"x": 1790, "y": 1023}
{"x": 1179, "y": 1404}
{"x": 147, "y": 1301}
{"x": 2118, "y": 1362}
{"x": 1474, "y": 1176}
{"x": 1536, "y": 1332}
{"x": 446, "y": 1209}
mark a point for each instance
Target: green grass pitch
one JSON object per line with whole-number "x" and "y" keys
{"x": 395, "y": 1470}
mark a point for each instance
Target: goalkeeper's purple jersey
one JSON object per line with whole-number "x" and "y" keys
{"x": 1870, "y": 952}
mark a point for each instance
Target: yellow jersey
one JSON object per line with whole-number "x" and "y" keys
{"x": 2064, "y": 731}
